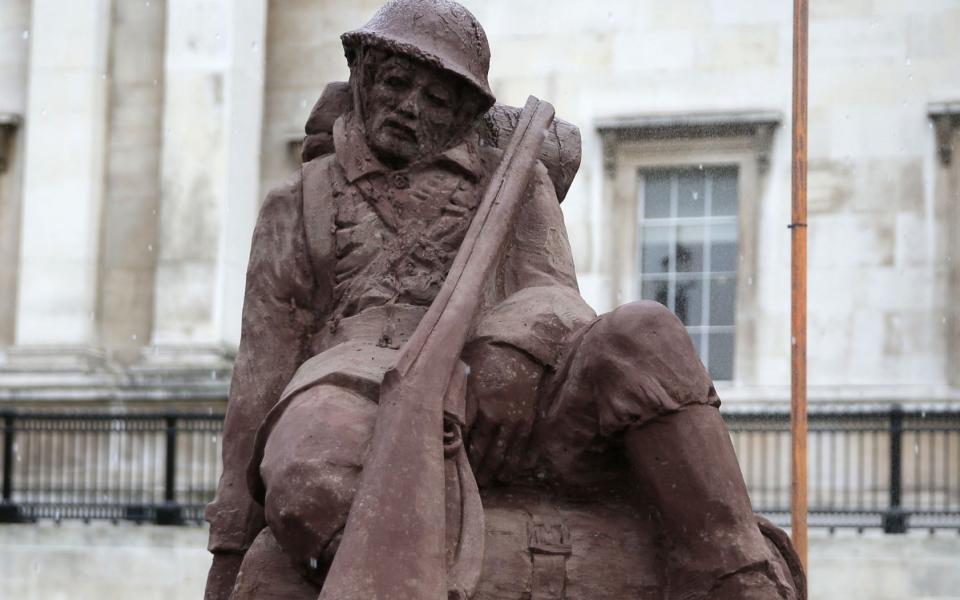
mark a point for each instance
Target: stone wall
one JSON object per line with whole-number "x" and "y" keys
{"x": 117, "y": 562}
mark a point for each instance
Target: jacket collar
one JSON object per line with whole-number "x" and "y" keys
{"x": 358, "y": 161}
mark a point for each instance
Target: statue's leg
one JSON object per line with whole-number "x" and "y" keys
{"x": 690, "y": 475}
{"x": 311, "y": 467}
{"x": 635, "y": 373}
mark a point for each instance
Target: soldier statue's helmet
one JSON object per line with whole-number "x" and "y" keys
{"x": 440, "y": 33}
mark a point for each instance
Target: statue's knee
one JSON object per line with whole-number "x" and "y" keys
{"x": 643, "y": 315}
{"x": 637, "y": 362}
{"x": 630, "y": 328}
{"x": 311, "y": 468}
{"x": 307, "y": 505}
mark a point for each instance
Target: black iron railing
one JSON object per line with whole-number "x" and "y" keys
{"x": 887, "y": 468}
{"x": 891, "y": 467}
{"x": 140, "y": 467}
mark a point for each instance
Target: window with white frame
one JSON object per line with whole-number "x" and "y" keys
{"x": 687, "y": 242}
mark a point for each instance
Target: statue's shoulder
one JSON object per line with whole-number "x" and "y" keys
{"x": 307, "y": 193}
{"x": 322, "y": 179}
{"x": 282, "y": 199}
{"x": 325, "y": 168}
{"x": 561, "y": 151}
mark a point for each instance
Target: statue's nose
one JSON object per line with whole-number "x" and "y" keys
{"x": 410, "y": 106}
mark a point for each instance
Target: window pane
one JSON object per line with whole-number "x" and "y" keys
{"x": 690, "y": 254}
{"x": 689, "y": 301}
{"x": 723, "y": 247}
{"x": 655, "y": 250}
{"x": 656, "y": 290}
{"x": 656, "y": 195}
{"x": 723, "y": 296}
{"x": 724, "y": 193}
{"x": 690, "y": 194}
{"x": 721, "y": 356}
{"x": 690, "y": 248}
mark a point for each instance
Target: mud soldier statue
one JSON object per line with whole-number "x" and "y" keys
{"x": 603, "y": 464}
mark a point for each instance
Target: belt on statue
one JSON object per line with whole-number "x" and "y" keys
{"x": 549, "y": 545}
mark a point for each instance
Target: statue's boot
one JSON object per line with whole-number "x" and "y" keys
{"x": 689, "y": 475}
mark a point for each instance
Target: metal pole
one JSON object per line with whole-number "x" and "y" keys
{"x": 895, "y": 520}
{"x": 7, "y": 457}
{"x": 9, "y": 512}
{"x": 798, "y": 304}
{"x": 169, "y": 513}
{"x": 170, "y": 473}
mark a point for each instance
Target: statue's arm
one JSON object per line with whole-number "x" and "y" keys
{"x": 522, "y": 336}
{"x": 542, "y": 304}
{"x": 277, "y": 321}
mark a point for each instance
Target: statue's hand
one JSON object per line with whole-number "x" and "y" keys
{"x": 502, "y": 394}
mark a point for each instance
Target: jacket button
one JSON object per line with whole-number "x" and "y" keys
{"x": 401, "y": 181}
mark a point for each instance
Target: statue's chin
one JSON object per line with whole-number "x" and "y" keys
{"x": 393, "y": 151}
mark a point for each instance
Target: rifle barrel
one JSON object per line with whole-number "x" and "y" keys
{"x": 394, "y": 541}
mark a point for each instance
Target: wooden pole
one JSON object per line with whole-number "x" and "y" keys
{"x": 798, "y": 304}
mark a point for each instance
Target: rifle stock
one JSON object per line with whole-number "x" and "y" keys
{"x": 393, "y": 545}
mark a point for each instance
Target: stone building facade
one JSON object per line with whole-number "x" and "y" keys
{"x": 138, "y": 138}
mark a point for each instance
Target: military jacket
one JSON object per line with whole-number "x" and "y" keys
{"x": 347, "y": 237}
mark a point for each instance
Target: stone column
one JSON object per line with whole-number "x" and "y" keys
{"x": 212, "y": 111}
{"x": 63, "y": 179}
{"x": 952, "y": 318}
{"x": 14, "y": 53}
{"x": 131, "y": 197}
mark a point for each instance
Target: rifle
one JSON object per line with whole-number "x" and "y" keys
{"x": 394, "y": 543}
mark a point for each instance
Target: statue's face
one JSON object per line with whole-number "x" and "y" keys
{"x": 411, "y": 110}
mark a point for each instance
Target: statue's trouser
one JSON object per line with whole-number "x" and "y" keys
{"x": 632, "y": 373}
